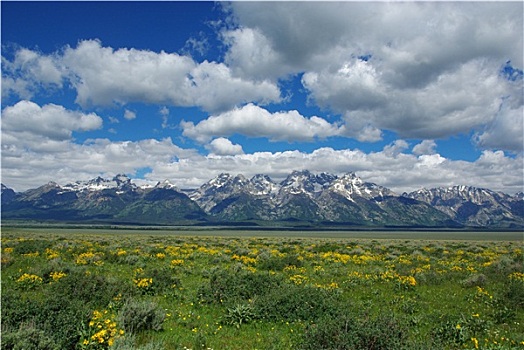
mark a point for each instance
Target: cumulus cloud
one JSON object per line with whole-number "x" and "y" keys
{"x": 422, "y": 37}
{"x": 224, "y": 147}
{"x": 426, "y": 147}
{"x": 395, "y": 148}
{"x": 401, "y": 172}
{"x": 28, "y": 165}
{"x": 50, "y": 121}
{"x": 29, "y": 71}
{"x": 24, "y": 167}
{"x": 37, "y": 147}
{"x": 428, "y": 70}
{"x": 506, "y": 131}
{"x": 129, "y": 115}
{"x": 457, "y": 102}
{"x": 105, "y": 76}
{"x": 254, "y": 121}
{"x": 251, "y": 54}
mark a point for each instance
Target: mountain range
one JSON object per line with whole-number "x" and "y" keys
{"x": 302, "y": 198}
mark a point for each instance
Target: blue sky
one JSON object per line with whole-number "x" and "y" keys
{"x": 407, "y": 95}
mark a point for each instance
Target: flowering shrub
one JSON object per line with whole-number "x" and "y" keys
{"x": 144, "y": 284}
{"x": 177, "y": 262}
{"x": 246, "y": 260}
{"x": 29, "y": 281}
{"x": 406, "y": 282}
{"x": 90, "y": 258}
{"x": 51, "y": 254}
{"x": 102, "y": 331}
{"x": 517, "y": 276}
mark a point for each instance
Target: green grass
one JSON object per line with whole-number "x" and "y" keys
{"x": 234, "y": 289}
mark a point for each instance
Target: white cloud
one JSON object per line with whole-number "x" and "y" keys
{"x": 456, "y": 102}
{"x": 400, "y": 172}
{"x": 426, "y": 147}
{"x": 422, "y": 69}
{"x": 355, "y": 85}
{"x": 49, "y": 121}
{"x": 26, "y": 165}
{"x": 423, "y": 37}
{"x": 29, "y": 71}
{"x": 395, "y": 148}
{"x": 105, "y": 76}
{"x": 251, "y": 55}
{"x": 254, "y": 121}
{"x": 506, "y": 131}
{"x": 164, "y": 113}
{"x": 224, "y": 147}
{"x": 113, "y": 120}
{"x": 129, "y": 115}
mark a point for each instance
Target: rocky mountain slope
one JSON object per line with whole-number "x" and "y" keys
{"x": 302, "y": 198}
{"x": 117, "y": 200}
{"x": 473, "y": 206}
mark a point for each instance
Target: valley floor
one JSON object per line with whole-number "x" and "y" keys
{"x": 92, "y": 288}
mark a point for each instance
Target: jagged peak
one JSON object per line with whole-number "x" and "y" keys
{"x": 259, "y": 177}
{"x": 219, "y": 180}
{"x": 350, "y": 185}
{"x": 304, "y": 172}
{"x": 460, "y": 193}
{"x": 224, "y": 179}
{"x": 297, "y": 175}
{"x": 165, "y": 184}
{"x": 121, "y": 178}
{"x": 458, "y": 189}
{"x": 119, "y": 181}
{"x": 351, "y": 176}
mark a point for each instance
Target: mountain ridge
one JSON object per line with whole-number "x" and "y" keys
{"x": 305, "y": 197}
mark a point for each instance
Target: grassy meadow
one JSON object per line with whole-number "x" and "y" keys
{"x": 159, "y": 289}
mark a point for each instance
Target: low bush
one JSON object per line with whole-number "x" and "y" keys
{"x": 296, "y": 302}
{"x": 138, "y": 315}
{"x": 450, "y": 330}
{"x": 57, "y": 318}
{"x": 513, "y": 294}
{"x": 347, "y": 331}
{"x": 32, "y": 246}
{"x": 93, "y": 289}
{"x": 230, "y": 287}
{"x": 27, "y": 337}
{"x": 163, "y": 281}
{"x": 129, "y": 342}
{"x": 278, "y": 263}
{"x": 476, "y": 280}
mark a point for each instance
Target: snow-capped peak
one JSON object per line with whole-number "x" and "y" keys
{"x": 306, "y": 182}
{"x": 350, "y": 186}
{"x": 97, "y": 184}
{"x": 263, "y": 185}
{"x": 166, "y": 184}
